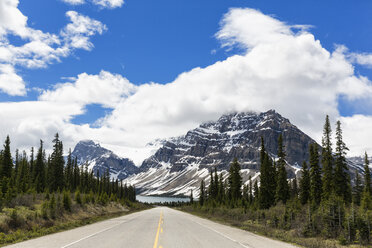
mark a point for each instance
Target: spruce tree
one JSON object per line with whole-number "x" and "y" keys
{"x": 315, "y": 175}
{"x": 202, "y": 193}
{"x": 358, "y": 189}
{"x": 282, "y": 188}
{"x": 305, "y": 184}
{"x": 367, "y": 174}
{"x": 69, "y": 171}
{"x": 342, "y": 184}
{"x": 39, "y": 169}
{"x": 294, "y": 189}
{"x": 267, "y": 182}
{"x": 235, "y": 181}
{"x": 327, "y": 160}
{"x": 7, "y": 162}
{"x": 57, "y": 165}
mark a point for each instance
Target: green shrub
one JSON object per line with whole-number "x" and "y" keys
{"x": 67, "y": 201}
{"x": 78, "y": 197}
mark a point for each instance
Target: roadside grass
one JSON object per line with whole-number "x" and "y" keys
{"x": 31, "y": 220}
{"x": 239, "y": 220}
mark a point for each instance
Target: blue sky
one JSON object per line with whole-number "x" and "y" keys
{"x": 147, "y": 41}
{"x": 157, "y": 40}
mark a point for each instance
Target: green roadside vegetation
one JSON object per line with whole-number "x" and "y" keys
{"x": 36, "y": 215}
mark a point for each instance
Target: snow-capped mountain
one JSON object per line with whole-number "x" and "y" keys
{"x": 100, "y": 159}
{"x": 181, "y": 163}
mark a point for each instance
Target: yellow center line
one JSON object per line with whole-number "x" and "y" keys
{"x": 157, "y": 233}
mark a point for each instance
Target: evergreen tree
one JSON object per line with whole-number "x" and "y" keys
{"x": 39, "y": 169}
{"x": 202, "y": 193}
{"x": 358, "y": 189}
{"x": 7, "y": 162}
{"x": 294, "y": 189}
{"x": 315, "y": 175}
{"x": 342, "y": 184}
{"x": 305, "y": 184}
{"x": 69, "y": 171}
{"x": 191, "y": 198}
{"x": 250, "y": 190}
{"x": 215, "y": 186}
{"x": 367, "y": 174}
{"x": 267, "y": 182}
{"x": 221, "y": 189}
{"x": 57, "y": 165}
{"x": 256, "y": 191}
{"x": 282, "y": 188}
{"x": 235, "y": 181}
{"x": 327, "y": 160}
{"x": 211, "y": 187}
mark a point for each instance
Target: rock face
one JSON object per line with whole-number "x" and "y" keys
{"x": 100, "y": 160}
{"x": 180, "y": 164}
{"x": 216, "y": 144}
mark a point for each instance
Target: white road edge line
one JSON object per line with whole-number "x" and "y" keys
{"x": 104, "y": 230}
{"x": 235, "y": 241}
{"x": 89, "y": 236}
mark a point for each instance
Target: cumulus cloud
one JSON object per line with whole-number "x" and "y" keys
{"x": 10, "y": 82}
{"x": 284, "y": 67}
{"x": 39, "y": 49}
{"x": 105, "y": 89}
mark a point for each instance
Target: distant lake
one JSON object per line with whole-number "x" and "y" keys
{"x": 160, "y": 199}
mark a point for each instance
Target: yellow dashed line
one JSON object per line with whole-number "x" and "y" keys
{"x": 158, "y": 231}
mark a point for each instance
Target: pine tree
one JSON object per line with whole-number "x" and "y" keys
{"x": 7, "y": 162}
{"x": 211, "y": 187}
{"x": 342, "y": 184}
{"x": 267, "y": 182}
{"x": 191, "y": 198}
{"x": 215, "y": 186}
{"x": 69, "y": 171}
{"x": 282, "y": 189}
{"x": 221, "y": 189}
{"x": 358, "y": 189}
{"x": 57, "y": 165}
{"x": 327, "y": 160}
{"x": 39, "y": 169}
{"x": 367, "y": 174}
{"x": 256, "y": 191}
{"x": 305, "y": 184}
{"x": 294, "y": 189}
{"x": 202, "y": 193}
{"x": 315, "y": 175}
{"x": 235, "y": 181}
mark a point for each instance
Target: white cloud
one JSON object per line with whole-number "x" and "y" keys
{"x": 10, "y": 82}
{"x": 111, "y": 4}
{"x": 74, "y": 2}
{"x": 284, "y": 68}
{"x": 106, "y": 89}
{"x": 40, "y": 49}
{"x": 77, "y": 33}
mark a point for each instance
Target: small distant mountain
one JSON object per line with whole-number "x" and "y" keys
{"x": 100, "y": 159}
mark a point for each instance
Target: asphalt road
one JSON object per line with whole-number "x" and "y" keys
{"x": 157, "y": 228}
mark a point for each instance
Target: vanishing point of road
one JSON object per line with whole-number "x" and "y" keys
{"x": 159, "y": 227}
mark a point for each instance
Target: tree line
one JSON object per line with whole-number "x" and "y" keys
{"x": 333, "y": 206}
{"x": 40, "y": 173}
